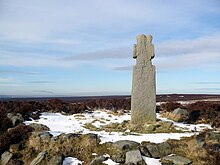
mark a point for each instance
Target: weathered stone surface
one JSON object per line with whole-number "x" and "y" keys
{"x": 156, "y": 150}
{"x": 5, "y": 158}
{"x": 125, "y": 145}
{"x": 39, "y": 127}
{"x": 118, "y": 157}
{"x": 134, "y": 157}
{"x": 40, "y": 157}
{"x": 181, "y": 114}
{"x": 175, "y": 159}
{"x": 144, "y": 151}
{"x": 143, "y": 100}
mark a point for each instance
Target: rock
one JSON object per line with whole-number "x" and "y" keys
{"x": 144, "y": 151}
{"x": 98, "y": 160}
{"x": 175, "y": 159}
{"x": 56, "y": 160}
{"x": 153, "y": 150}
{"x": 143, "y": 99}
{"x": 39, "y": 127}
{"x": 118, "y": 158}
{"x": 156, "y": 150}
{"x": 125, "y": 145}
{"x": 134, "y": 157}
{"x": 180, "y": 114}
{"x": 14, "y": 148}
{"x": 40, "y": 157}
{"x": 164, "y": 149}
{"x": 67, "y": 136}
{"x": 120, "y": 148}
{"x": 44, "y": 136}
{"x": 5, "y": 157}
{"x": 15, "y": 118}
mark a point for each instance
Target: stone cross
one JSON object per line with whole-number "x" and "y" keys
{"x": 143, "y": 99}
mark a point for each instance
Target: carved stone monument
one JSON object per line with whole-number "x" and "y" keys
{"x": 143, "y": 99}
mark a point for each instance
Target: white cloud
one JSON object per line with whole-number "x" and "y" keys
{"x": 55, "y": 20}
{"x": 5, "y": 80}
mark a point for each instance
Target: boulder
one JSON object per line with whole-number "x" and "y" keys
{"x": 164, "y": 149}
{"x": 56, "y": 160}
{"x": 134, "y": 157}
{"x": 156, "y": 150}
{"x": 39, "y": 127}
{"x": 98, "y": 160}
{"x": 125, "y": 145}
{"x": 16, "y": 118}
{"x": 175, "y": 159}
{"x": 40, "y": 157}
{"x": 6, "y": 157}
{"x": 180, "y": 114}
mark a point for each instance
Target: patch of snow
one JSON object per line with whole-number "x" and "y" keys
{"x": 71, "y": 161}
{"x": 155, "y": 138}
{"x": 151, "y": 161}
{"x": 186, "y": 127}
{"x": 110, "y": 162}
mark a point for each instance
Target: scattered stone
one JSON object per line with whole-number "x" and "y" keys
{"x": 175, "y": 159}
{"x": 180, "y": 114}
{"x": 99, "y": 160}
{"x": 156, "y": 150}
{"x": 164, "y": 149}
{"x": 40, "y": 157}
{"x": 15, "y": 118}
{"x": 39, "y": 127}
{"x": 152, "y": 149}
{"x": 5, "y": 158}
{"x": 144, "y": 151}
{"x": 118, "y": 157}
{"x": 125, "y": 145}
{"x": 67, "y": 136}
{"x": 134, "y": 157}
{"x": 56, "y": 160}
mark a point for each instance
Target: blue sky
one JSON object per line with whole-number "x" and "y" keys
{"x": 84, "y": 47}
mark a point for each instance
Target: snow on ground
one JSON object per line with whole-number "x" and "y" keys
{"x": 59, "y": 123}
{"x": 151, "y": 161}
{"x": 186, "y": 127}
{"x": 71, "y": 161}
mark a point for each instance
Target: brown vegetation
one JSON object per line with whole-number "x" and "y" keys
{"x": 13, "y": 136}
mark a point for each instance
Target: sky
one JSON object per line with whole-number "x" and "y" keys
{"x": 84, "y": 47}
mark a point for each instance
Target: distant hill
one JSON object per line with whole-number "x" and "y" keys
{"x": 162, "y": 97}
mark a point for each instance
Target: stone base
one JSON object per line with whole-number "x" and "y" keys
{"x": 143, "y": 100}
